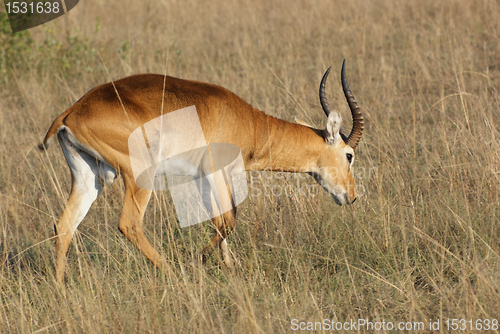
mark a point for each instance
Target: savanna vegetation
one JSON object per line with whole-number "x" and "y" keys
{"x": 422, "y": 241}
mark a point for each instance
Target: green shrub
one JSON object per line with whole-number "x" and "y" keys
{"x": 15, "y": 48}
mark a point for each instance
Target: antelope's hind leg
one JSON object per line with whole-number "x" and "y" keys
{"x": 131, "y": 221}
{"x": 85, "y": 187}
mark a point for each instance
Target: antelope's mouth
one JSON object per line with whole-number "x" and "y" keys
{"x": 341, "y": 199}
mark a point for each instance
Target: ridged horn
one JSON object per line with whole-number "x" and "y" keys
{"x": 322, "y": 96}
{"x": 358, "y": 124}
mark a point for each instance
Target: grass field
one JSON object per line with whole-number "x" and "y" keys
{"x": 422, "y": 244}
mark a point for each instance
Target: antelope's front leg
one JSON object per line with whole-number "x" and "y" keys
{"x": 223, "y": 225}
{"x": 218, "y": 201}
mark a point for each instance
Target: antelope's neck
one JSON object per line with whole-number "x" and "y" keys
{"x": 283, "y": 146}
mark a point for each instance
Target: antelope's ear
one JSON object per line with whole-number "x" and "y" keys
{"x": 333, "y": 124}
{"x": 301, "y": 122}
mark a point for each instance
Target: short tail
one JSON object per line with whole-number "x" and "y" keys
{"x": 54, "y": 128}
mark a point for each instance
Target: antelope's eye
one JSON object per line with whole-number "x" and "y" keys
{"x": 349, "y": 157}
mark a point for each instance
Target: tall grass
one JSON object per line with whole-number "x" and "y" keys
{"x": 423, "y": 242}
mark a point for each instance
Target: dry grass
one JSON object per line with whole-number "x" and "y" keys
{"x": 422, "y": 243}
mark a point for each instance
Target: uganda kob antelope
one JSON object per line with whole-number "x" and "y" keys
{"x": 93, "y": 135}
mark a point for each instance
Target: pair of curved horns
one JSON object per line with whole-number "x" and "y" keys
{"x": 358, "y": 124}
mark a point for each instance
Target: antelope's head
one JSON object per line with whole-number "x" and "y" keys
{"x": 333, "y": 170}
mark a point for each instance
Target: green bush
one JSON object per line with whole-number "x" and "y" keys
{"x": 73, "y": 55}
{"x": 15, "y": 48}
